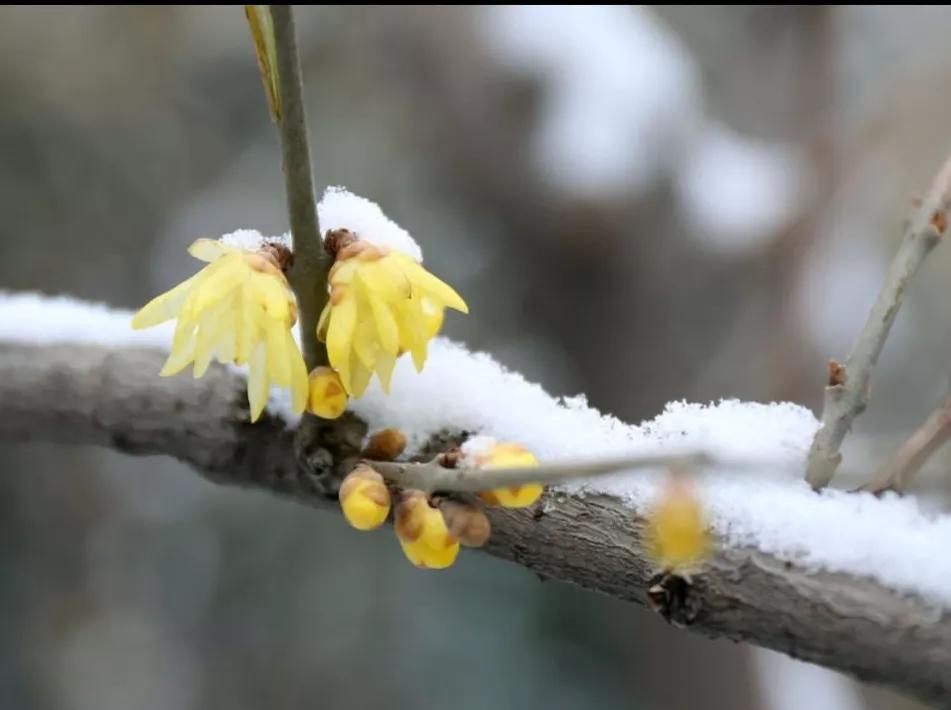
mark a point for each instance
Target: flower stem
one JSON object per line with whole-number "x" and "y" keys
{"x": 308, "y": 275}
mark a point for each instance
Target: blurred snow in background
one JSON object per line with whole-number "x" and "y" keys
{"x": 623, "y": 108}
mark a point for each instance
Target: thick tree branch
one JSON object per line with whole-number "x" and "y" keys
{"x": 847, "y": 389}
{"x": 89, "y": 395}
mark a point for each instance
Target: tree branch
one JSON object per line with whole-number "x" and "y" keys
{"x": 308, "y": 276}
{"x": 90, "y": 395}
{"x": 432, "y": 477}
{"x": 847, "y": 391}
{"x": 898, "y": 473}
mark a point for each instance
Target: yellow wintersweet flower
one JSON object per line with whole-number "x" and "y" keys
{"x": 364, "y": 498}
{"x": 509, "y": 455}
{"x": 382, "y": 304}
{"x": 676, "y": 531}
{"x": 423, "y": 534}
{"x": 238, "y": 309}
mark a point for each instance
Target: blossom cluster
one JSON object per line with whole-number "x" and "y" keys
{"x": 431, "y": 528}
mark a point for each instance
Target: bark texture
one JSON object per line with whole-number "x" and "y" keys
{"x": 89, "y": 395}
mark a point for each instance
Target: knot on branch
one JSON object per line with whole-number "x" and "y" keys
{"x": 327, "y": 450}
{"x": 836, "y": 374}
{"x": 673, "y": 597}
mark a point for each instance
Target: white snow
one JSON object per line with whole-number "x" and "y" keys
{"x": 620, "y": 91}
{"x": 737, "y": 191}
{"x": 341, "y": 209}
{"x": 48, "y": 320}
{"x": 476, "y": 445}
{"x": 755, "y": 497}
{"x": 251, "y": 239}
{"x": 622, "y": 105}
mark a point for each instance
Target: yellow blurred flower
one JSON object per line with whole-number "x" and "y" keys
{"x": 364, "y": 498}
{"x": 676, "y": 532}
{"x": 238, "y": 309}
{"x": 423, "y": 534}
{"x": 382, "y": 304}
{"x": 508, "y": 455}
{"x": 327, "y": 398}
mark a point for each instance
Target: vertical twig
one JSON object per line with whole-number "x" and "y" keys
{"x": 308, "y": 276}
{"x": 846, "y": 393}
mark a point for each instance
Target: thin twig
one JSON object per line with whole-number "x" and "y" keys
{"x": 308, "y": 276}
{"x": 898, "y": 473}
{"x": 846, "y": 393}
{"x": 432, "y": 477}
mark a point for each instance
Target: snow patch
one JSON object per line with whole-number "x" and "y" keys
{"x": 737, "y": 191}
{"x": 252, "y": 240}
{"x": 341, "y": 209}
{"x": 620, "y": 91}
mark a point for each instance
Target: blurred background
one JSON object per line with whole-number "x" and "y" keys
{"x": 641, "y": 204}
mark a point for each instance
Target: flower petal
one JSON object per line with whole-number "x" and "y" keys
{"x": 208, "y": 249}
{"x": 359, "y": 376}
{"x": 257, "y": 381}
{"x": 343, "y": 320}
{"x": 182, "y": 351}
{"x": 385, "y": 326}
{"x": 384, "y": 369}
{"x": 279, "y": 369}
{"x": 441, "y": 291}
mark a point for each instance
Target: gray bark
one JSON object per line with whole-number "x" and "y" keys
{"x": 90, "y": 395}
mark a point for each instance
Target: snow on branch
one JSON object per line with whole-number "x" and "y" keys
{"x": 59, "y": 387}
{"x": 753, "y": 492}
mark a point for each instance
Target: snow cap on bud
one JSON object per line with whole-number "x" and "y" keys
{"x": 326, "y": 395}
{"x": 484, "y": 452}
{"x": 676, "y": 532}
{"x": 383, "y": 302}
{"x": 466, "y": 522}
{"x": 364, "y": 498}
{"x": 423, "y": 534}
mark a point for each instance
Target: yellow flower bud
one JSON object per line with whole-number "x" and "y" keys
{"x": 423, "y": 534}
{"x": 364, "y": 498}
{"x": 509, "y": 455}
{"x": 326, "y": 395}
{"x": 385, "y": 445}
{"x": 466, "y": 522}
{"x": 676, "y": 531}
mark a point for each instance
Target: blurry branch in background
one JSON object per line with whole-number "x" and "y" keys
{"x": 434, "y": 476}
{"x": 99, "y": 396}
{"x": 847, "y": 388}
{"x": 308, "y": 276}
{"x": 898, "y": 473}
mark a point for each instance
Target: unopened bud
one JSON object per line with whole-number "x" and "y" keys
{"x": 364, "y": 498}
{"x": 385, "y": 445}
{"x": 422, "y": 532}
{"x": 326, "y": 396}
{"x": 508, "y": 455}
{"x": 466, "y": 522}
{"x": 676, "y": 531}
